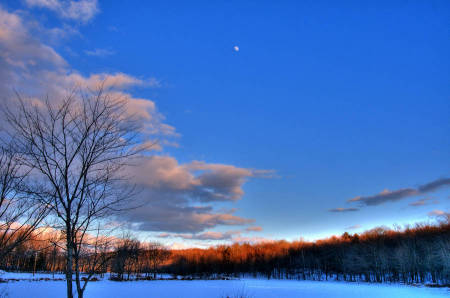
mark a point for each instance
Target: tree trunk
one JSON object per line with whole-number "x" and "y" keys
{"x": 77, "y": 277}
{"x": 69, "y": 263}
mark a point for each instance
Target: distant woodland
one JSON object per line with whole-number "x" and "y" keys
{"x": 419, "y": 254}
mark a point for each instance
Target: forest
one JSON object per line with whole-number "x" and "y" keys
{"x": 418, "y": 254}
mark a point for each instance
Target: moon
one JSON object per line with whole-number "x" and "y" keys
{"x": 236, "y": 48}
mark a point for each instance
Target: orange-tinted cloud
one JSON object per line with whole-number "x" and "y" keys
{"x": 254, "y": 229}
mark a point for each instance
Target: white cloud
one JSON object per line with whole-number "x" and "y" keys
{"x": 22, "y": 57}
{"x": 81, "y": 10}
{"x": 35, "y": 69}
{"x": 50, "y": 4}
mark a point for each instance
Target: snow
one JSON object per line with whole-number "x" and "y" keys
{"x": 212, "y": 288}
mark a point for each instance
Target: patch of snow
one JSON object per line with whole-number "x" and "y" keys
{"x": 216, "y": 288}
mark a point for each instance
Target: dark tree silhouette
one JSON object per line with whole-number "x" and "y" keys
{"x": 77, "y": 146}
{"x": 20, "y": 214}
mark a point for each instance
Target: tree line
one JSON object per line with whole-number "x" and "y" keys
{"x": 124, "y": 258}
{"x": 414, "y": 255}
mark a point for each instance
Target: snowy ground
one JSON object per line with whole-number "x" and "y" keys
{"x": 213, "y": 288}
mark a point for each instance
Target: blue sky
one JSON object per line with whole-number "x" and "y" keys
{"x": 337, "y": 100}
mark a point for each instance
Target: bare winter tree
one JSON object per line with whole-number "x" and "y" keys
{"x": 95, "y": 253}
{"x": 19, "y": 214}
{"x": 156, "y": 254}
{"x": 78, "y": 147}
{"x": 126, "y": 256}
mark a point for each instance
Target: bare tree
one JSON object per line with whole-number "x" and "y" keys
{"x": 157, "y": 254}
{"x": 19, "y": 214}
{"x": 95, "y": 253}
{"x": 126, "y": 255}
{"x": 78, "y": 147}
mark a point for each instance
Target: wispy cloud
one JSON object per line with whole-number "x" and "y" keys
{"x": 423, "y": 202}
{"x": 396, "y": 195}
{"x": 234, "y": 235}
{"x": 438, "y": 213}
{"x": 252, "y": 240}
{"x": 210, "y": 235}
{"x": 354, "y": 227}
{"x": 434, "y": 185}
{"x": 82, "y": 10}
{"x": 113, "y": 29}
{"x": 229, "y": 236}
{"x": 99, "y": 52}
{"x": 254, "y": 229}
{"x": 343, "y": 210}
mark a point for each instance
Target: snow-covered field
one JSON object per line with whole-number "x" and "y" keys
{"x": 213, "y": 288}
